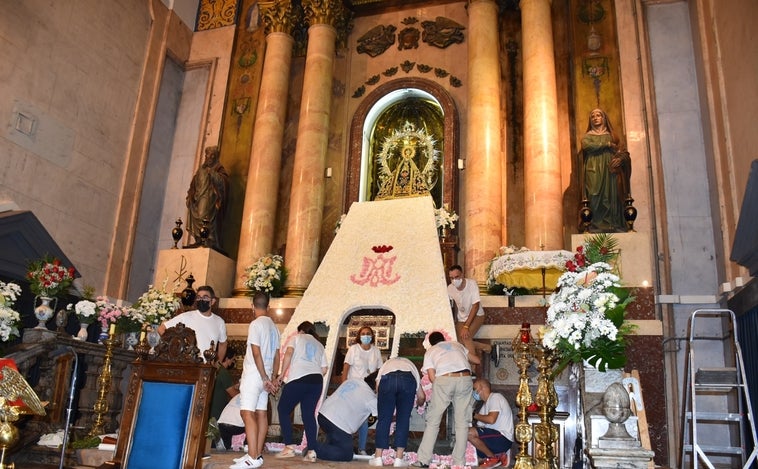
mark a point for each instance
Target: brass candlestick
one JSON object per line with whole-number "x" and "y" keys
{"x": 103, "y": 386}
{"x": 522, "y": 355}
{"x": 546, "y": 432}
{"x": 143, "y": 348}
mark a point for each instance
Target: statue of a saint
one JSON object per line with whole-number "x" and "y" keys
{"x": 606, "y": 171}
{"x": 206, "y": 199}
{"x": 406, "y": 178}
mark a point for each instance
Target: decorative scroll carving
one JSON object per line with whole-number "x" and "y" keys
{"x": 408, "y": 38}
{"x": 277, "y": 16}
{"x": 407, "y": 66}
{"x": 216, "y": 14}
{"x": 442, "y": 32}
{"x": 330, "y": 12}
{"x": 377, "y": 40}
{"x": 178, "y": 345}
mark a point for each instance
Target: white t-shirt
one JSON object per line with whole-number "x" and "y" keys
{"x": 362, "y": 362}
{"x": 446, "y": 357}
{"x": 307, "y": 356}
{"x": 207, "y": 328}
{"x": 231, "y": 413}
{"x": 399, "y": 364}
{"x": 504, "y": 422}
{"x": 263, "y": 333}
{"x": 350, "y": 405}
{"x": 465, "y": 298}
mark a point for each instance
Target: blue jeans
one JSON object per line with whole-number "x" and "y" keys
{"x": 362, "y": 436}
{"x": 397, "y": 391}
{"x": 339, "y": 443}
{"x": 305, "y": 391}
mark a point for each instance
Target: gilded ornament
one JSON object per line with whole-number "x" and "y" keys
{"x": 399, "y": 174}
{"x": 214, "y": 14}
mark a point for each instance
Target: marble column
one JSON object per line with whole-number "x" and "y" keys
{"x": 542, "y": 166}
{"x": 307, "y": 194}
{"x": 483, "y": 174}
{"x": 262, "y": 188}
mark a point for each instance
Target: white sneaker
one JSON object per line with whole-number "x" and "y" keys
{"x": 248, "y": 462}
{"x": 310, "y": 456}
{"x": 400, "y": 462}
{"x": 375, "y": 461}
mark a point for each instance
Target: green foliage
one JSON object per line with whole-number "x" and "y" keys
{"x": 87, "y": 442}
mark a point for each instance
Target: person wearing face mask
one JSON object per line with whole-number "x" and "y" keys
{"x": 208, "y": 327}
{"x": 469, "y": 313}
{"x": 362, "y": 359}
{"x": 493, "y": 434}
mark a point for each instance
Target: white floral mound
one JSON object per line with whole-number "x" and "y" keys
{"x": 385, "y": 255}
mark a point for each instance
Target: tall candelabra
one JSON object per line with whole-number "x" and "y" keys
{"x": 545, "y": 432}
{"x": 522, "y": 354}
{"x": 103, "y": 385}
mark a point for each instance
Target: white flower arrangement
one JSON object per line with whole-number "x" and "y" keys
{"x": 155, "y": 305}
{"x": 267, "y": 274}
{"x": 445, "y": 218}
{"x": 585, "y": 317}
{"x": 86, "y": 311}
{"x": 9, "y": 318}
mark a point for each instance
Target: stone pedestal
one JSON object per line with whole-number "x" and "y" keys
{"x": 209, "y": 267}
{"x": 617, "y": 458}
{"x": 34, "y": 335}
{"x": 636, "y": 261}
{"x": 605, "y": 452}
{"x": 93, "y": 457}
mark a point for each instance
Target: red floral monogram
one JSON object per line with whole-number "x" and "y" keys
{"x": 377, "y": 270}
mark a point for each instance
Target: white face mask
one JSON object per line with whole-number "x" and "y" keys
{"x": 457, "y": 282}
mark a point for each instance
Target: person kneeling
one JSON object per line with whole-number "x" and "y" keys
{"x": 340, "y": 416}
{"x": 493, "y": 434}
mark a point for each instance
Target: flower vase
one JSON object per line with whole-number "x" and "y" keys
{"x": 43, "y": 312}
{"x": 82, "y": 334}
{"x": 153, "y": 338}
{"x": 132, "y": 339}
{"x": 103, "y": 334}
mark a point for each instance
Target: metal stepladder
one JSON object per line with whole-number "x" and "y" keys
{"x": 727, "y": 384}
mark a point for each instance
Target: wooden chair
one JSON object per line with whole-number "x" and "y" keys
{"x": 167, "y": 405}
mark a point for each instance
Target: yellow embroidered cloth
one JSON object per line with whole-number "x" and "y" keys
{"x": 524, "y": 269}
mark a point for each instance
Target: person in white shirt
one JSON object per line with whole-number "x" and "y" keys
{"x": 230, "y": 422}
{"x": 448, "y": 365}
{"x": 258, "y": 372}
{"x": 493, "y": 434}
{"x": 362, "y": 359}
{"x": 469, "y": 312}
{"x": 303, "y": 366}
{"x": 398, "y": 386}
{"x": 208, "y": 327}
{"x": 340, "y": 416}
